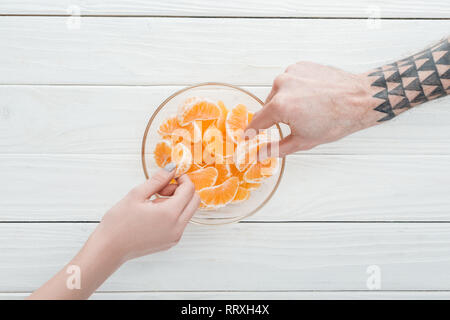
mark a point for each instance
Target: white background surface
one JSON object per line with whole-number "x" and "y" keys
{"x": 75, "y": 99}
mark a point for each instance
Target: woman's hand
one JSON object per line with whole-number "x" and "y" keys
{"x": 134, "y": 227}
{"x": 137, "y": 226}
{"x": 319, "y": 103}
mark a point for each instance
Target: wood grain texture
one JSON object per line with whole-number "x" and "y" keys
{"x": 282, "y": 8}
{"x": 134, "y": 51}
{"x": 249, "y": 257}
{"x": 314, "y": 188}
{"x": 111, "y": 120}
{"x": 257, "y": 295}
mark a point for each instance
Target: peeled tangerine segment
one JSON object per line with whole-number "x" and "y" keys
{"x": 168, "y": 126}
{"x": 182, "y": 157}
{"x": 162, "y": 153}
{"x": 172, "y": 130}
{"x": 223, "y": 171}
{"x": 236, "y": 122}
{"x": 203, "y": 178}
{"x": 197, "y": 109}
{"x": 246, "y": 152}
{"x": 216, "y": 145}
{"x": 223, "y": 117}
{"x": 260, "y": 170}
{"x": 242, "y": 194}
{"x": 220, "y": 195}
{"x": 250, "y": 186}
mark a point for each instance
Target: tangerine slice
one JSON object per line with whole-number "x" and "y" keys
{"x": 250, "y": 117}
{"x": 194, "y": 167}
{"x": 197, "y": 109}
{"x": 187, "y": 135}
{"x": 242, "y": 194}
{"x": 215, "y": 146}
{"x": 172, "y": 130}
{"x": 182, "y": 157}
{"x": 223, "y": 117}
{"x": 236, "y": 122}
{"x": 247, "y": 151}
{"x": 223, "y": 171}
{"x": 250, "y": 186}
{"x": 168, "y": 126}
{"x": 260, "y": 170}
{"x": 203, "y": 178}
{"x": 220, "y": 195}
{"x": 205, "y": 124}
{"x": 162, "y": 153}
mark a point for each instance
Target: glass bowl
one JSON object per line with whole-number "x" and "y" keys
{"x": 231, "y": 96}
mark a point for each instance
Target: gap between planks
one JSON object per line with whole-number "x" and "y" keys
{"x": 217, "y": 17}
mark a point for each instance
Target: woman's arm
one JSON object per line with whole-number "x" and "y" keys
{"x": 134, "y": 227}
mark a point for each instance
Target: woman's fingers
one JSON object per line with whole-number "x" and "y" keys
{"x": 156, "y": 182}
{"x": 183, "y": 193}
{"x": 190, "y": 209}
{"x": 168, "y": 190}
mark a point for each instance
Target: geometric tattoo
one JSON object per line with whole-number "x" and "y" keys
{"x": 414, "y": 80}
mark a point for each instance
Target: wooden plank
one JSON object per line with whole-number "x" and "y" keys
{"x": 133, "y": 51}
{"x": 314, "y": 188}
{"x": 246, "y": 295}
{"x": 249, "y": 257}
{"x": 283, "y": 8}
{"x": 108, "y": 120}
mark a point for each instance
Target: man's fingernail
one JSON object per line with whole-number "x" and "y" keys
{"x": 170, "y": 167}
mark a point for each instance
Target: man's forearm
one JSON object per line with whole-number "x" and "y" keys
{"x": 411, "y": 81}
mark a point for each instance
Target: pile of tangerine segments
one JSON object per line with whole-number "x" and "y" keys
{"x": 205, "y": 140}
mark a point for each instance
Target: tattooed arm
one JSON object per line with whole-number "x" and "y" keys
{"x": 323, "y": 104}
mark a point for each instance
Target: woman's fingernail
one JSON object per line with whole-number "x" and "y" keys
{"x": 170, "y": 167}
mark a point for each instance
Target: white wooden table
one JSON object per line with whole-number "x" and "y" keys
{"x": 75, "y": 96}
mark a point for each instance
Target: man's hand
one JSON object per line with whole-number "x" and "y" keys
{"x": 319, "y": 103}
{"x": 322, "y": 104}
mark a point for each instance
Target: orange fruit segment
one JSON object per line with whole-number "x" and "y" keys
{"x": 250, "y": 117}
{"x": 223, "y": 171}
{"x": 168, "y": 126}
{"x": 203, "y": 178}
{"x": 250, "y": 186}
{"x": 197, "y": 109}
{"x": 247, "y": 151}
{"x": 172, "y": 130}
{"x": 216, "y": 146}
{"x": 260, "y": 170}
{"x": 242, "y": 194}
{"x": 162, "y": 153}
{"x": 220, "y": 195}
{"x": 182, "y": 157}
{"x": 222, "y": 117}
{"x": 236, "y": 122}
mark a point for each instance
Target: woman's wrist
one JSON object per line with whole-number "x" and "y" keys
{"x": 103, "y": 244}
